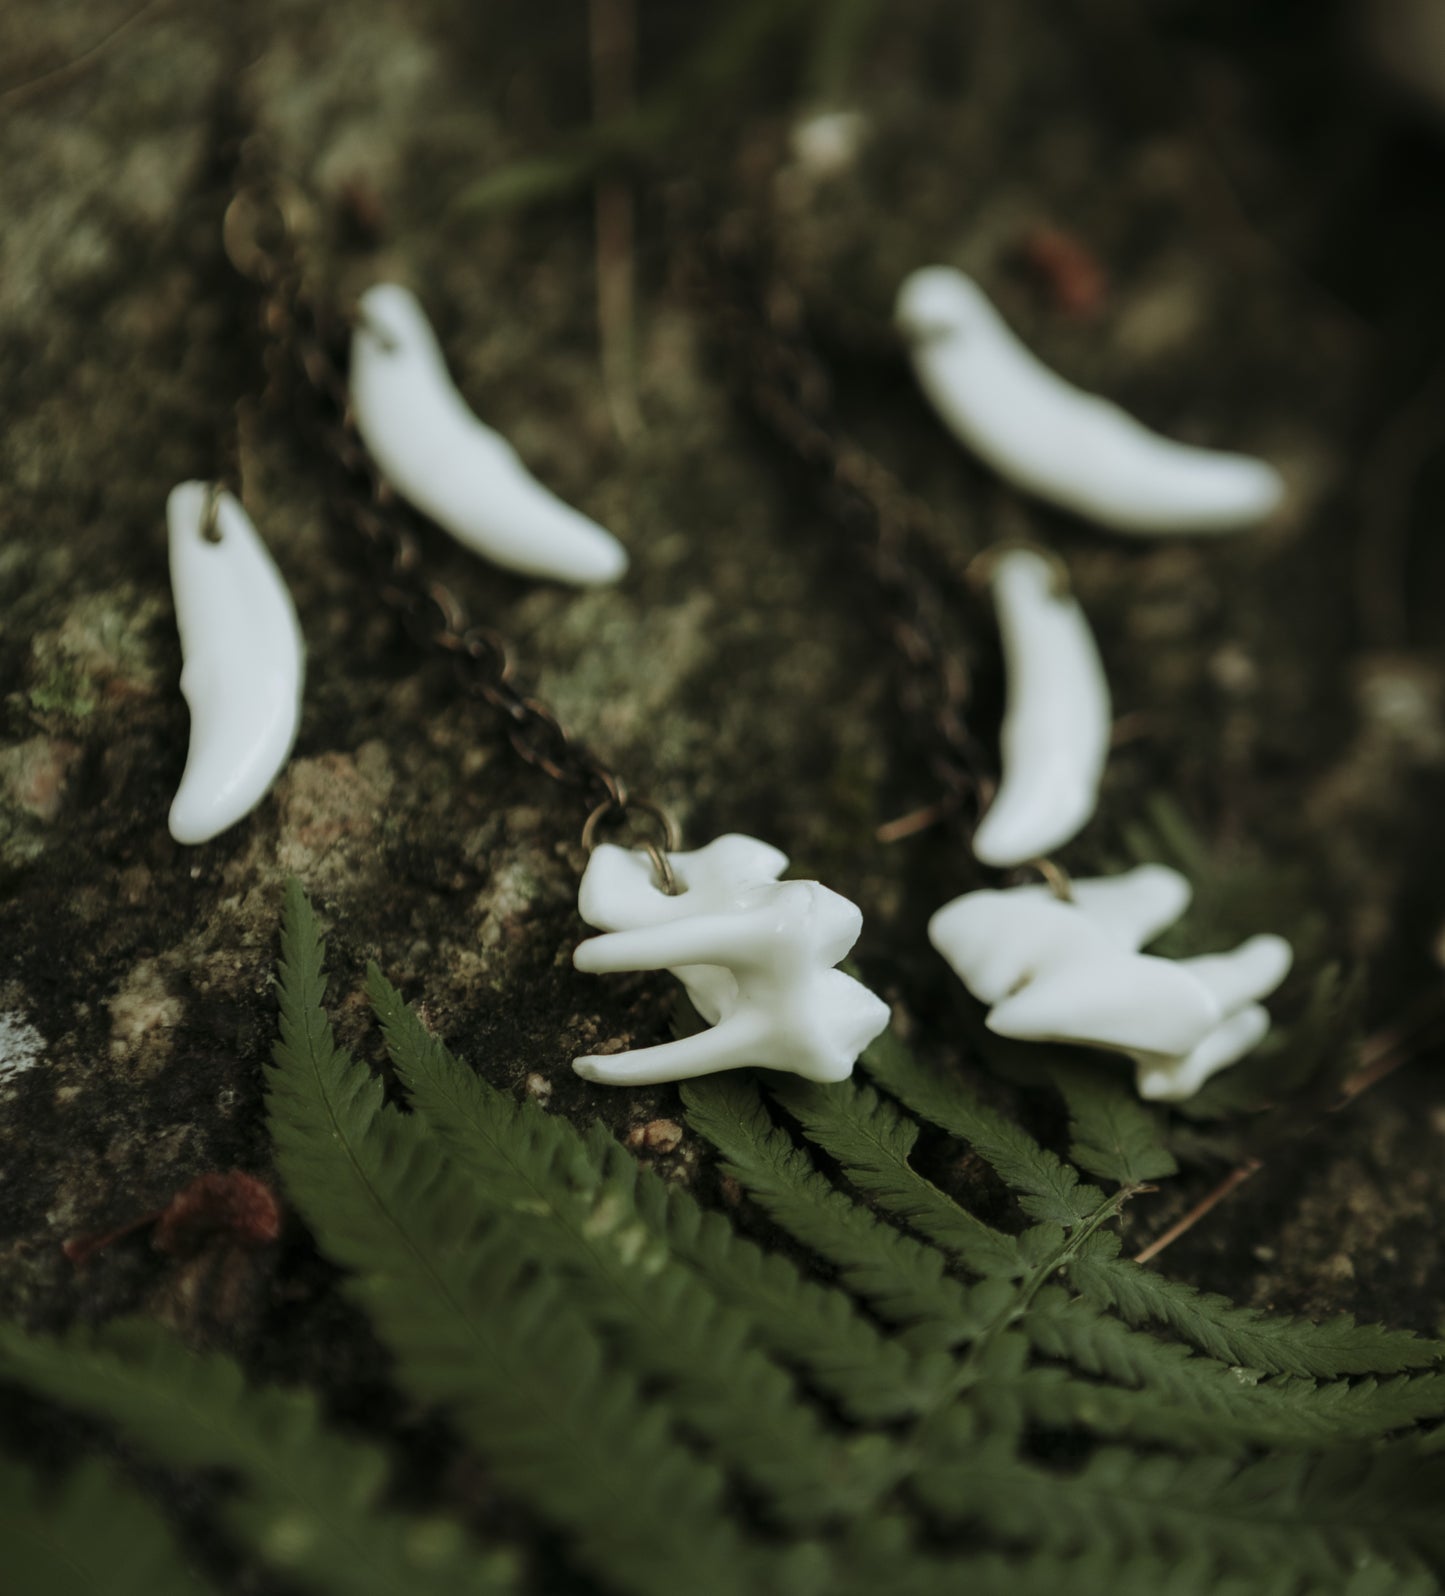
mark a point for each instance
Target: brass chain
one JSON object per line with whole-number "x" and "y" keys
{"x": 311, "y": 339}
{"x": 786, "y": 384}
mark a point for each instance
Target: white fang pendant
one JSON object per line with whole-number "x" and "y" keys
{"x": 754, "y": 953}
{"x": 451, "y": 466}
{"x": 1054, "y": 440}
{"x": 1055, "y": 738}
{"x": 242, "y": 650}
{"x": 1072, "y": 972}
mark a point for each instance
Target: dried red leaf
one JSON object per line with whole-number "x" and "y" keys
{"x": 1069, "y": 270}
{"x": 233, "y": 1205}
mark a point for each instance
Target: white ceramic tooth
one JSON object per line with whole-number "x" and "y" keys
{"x": 1172, "y": 1080}
{"x": 1056, "y": 726}
{"x": 455, "y": 469}
{"x": 1128, "y": 1003}
{"x": 1053, "y": 440}
{"x": 243, "y": 662}
{"x": 754, "y": 953}
{"x": 1070, "y": 972}
{"x": 998, "y": 941}
{"x": 1133, "y": 907}
{"x": 1252, "y": 971}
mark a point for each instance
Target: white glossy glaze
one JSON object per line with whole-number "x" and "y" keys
{"x": 435, "y": 452}
{"x": 1073, "y": 973}
{"x": 243, "y": 663}
{"x": 1052, "y": 439}
{"x": 1055, "y": 737}
{"x": 754, "y": 953}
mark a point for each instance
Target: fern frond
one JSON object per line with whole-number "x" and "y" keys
{"x": 474, "y": 1330}
{"x": 1103, "y": 1571}
{"x": 901, "y": 1278}
{"x": 871, "y": 1140}
{"x": 1273, "y": 1343}
{"x": 1046, "y": 1187}
{"x": 307, "y": 1503}
{"x": 1112, "y": 1134}
{"x": 94, "y": 1532}
{"x": 1315, "y": 1516}
{"x": 669, "y": 1324}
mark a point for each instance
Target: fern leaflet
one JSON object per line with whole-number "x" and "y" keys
{"x": 1317, "y": 1516}
{"x": 1046, "y": 1187}
{"x": 92, "y": 1533}
{"x": 814, "y": 1327}
{"x": 903, "y": 1280}
{"x": 871, "y": 1140}
{"x": 1114, "y": 1135}
{"x": 308, "y": 1498}
{"x": 1248, "y": 1336}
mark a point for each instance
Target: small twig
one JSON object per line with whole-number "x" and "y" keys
{"x": 1231, "y": 1182}
{"x": 68, "y": 71}
{"x": 613, "y": 26}
{"x": 1380, "y": 1056}
{"x": 916, "y": 820}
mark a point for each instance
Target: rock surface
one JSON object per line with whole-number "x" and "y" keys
{"x": 1269, "y": 289}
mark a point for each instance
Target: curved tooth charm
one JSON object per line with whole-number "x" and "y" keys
{"x": 451, "y": 466}
{"x": 1053, "y": 440}
{"x": 243, "y": 653}
{"x": 1072, "y": 972}
{"x": 1056, "y": 726}
{"x": 754, "y": 953}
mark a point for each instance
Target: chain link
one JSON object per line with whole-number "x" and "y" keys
{"x": 787, "y": 385}
{"x": 307, "y": 339}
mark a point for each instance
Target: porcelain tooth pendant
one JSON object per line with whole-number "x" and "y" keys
{"x": 1072, "y": 972}
{"x": 755, "y": 954}
{"x": 1056, "y": 727}
{"x": 1057, "y": 442}
{"x": 243, "y": 660}
{"x": 455, "y": 469}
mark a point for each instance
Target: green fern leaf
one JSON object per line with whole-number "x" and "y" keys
{"x": 1102, "y": 1572}
{"x": 1208, "y": 1403}
{"x": 308, "y": 1499}
{"x": 1046, "y": 1187}
{"x": 1270, "y": 1342}
{"x": 474, "y": 1329}
{"x": 902, "y": 1279}
{"x": 670, "y": 1325}
{"x": 94, "y": 1533}
{"x": 1314, "y": 1516}
{"x": 871, "y": 1140}
{"x": 1113, "y": 1135}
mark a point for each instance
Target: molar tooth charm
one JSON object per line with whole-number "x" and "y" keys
{"x": 243, "y": 653}
{"x": 1052, "y": 439}
{"x": 754, "y": 953}
{"x": 1055, "y": 738}
{"x": 435, "y": 452}
{"x": 1072, "y": 972}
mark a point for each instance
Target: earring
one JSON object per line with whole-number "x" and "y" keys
{"x": 243, "y": 657}
{"x": 451, "y": 466}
